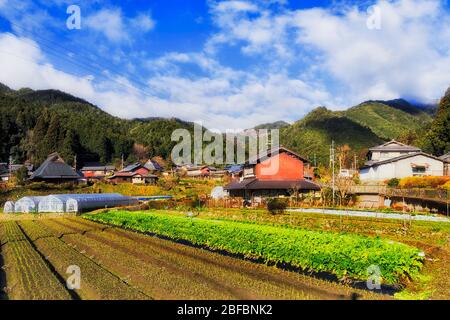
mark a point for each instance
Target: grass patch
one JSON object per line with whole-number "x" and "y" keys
{"x": 344, "y": 255}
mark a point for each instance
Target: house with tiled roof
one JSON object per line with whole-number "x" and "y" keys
{"x": 97, "y": 171}
{"x": 136, "y": 173}
{"x": 277, "y": 172}
{"x": 394, "y": 159}
{"x": 55, "y": 170}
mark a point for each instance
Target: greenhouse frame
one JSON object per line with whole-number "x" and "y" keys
{"x": 98, "y": 201}
{"x": 82, "y": 202}
{"x": 27, "y": 204}
{"x": 8, "y": 207}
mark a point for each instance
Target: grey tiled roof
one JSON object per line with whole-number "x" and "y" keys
{"x": 55, "y": 168}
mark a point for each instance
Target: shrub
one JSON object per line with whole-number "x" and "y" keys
{"x": 394, "y": 182}
{"x": 423, "y": 182}
{"x": 276, "y": 205}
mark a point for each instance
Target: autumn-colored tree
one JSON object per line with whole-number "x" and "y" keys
{"x": 140, "y": 151}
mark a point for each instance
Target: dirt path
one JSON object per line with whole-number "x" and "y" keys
{"x": 133, "y": 265}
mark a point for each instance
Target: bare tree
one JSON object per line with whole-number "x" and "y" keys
{"x": 344, "y": 186}
{"x": 140, "y": 151}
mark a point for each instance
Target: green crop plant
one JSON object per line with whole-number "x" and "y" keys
{"x": 344, "y": 255}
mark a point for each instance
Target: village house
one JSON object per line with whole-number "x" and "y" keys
{"x": 280, "y": 172}
{"x": 199, "y": 171}
{"x": 446, "y": 159}
{"x": 136, "y": 173}
{"x": 6, "y": 171}
{"x": 397, "y": 160}
{"x": 153, "y": 166}
{"x": 55, "y": 170}
{"x": 97, "y": 171}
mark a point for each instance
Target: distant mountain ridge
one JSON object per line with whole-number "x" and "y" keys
{"x": 272, "y": 125}
{"x": 52, "y": 120}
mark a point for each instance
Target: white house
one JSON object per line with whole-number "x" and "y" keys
{"x": 397, "y": 160}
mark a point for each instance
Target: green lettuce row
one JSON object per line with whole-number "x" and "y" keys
{"x": 344, "y": 255}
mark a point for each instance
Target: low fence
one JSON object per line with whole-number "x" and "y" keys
{"x": 439, "y": 195}
{"x": 237, "y": 202}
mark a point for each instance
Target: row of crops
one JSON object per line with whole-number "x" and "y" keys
{"x": 68, "y": 203}
{"x": 36, "y": 260}
{"x": 344, "y": 255}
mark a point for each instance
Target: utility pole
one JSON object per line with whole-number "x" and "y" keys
{"x": 75, "y": 162}
{"x": 332, "y": 168}
{"x": 122, "y": 161}
{"x": 10, "y": 168}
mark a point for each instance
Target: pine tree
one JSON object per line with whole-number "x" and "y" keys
{"x": 437, "y": 140}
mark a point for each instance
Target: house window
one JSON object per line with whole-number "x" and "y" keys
{"x": 418, "y": 171}
{"x": 249, "y": 172}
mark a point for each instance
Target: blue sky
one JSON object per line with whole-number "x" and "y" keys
{"x": 231, "y": 64}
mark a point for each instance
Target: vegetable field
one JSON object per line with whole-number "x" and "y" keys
{"x": 343, "y": 255}
{"x": 120, "y": 264}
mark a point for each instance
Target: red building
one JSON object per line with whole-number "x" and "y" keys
{"x": 136, "y": 173}
{"x": 279, "y": 172}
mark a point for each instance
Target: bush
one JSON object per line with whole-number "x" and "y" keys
{"x": 394, "y": 182}
{"x": 276, "y": 205}
{"x": 344, "y": 255}
{"x": 423, "y": 182}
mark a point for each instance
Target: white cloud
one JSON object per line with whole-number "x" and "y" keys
{"x": 116, "y": 27}
{"x": 144, "y": 22}
{"x": 408, "y": 57}
{"x": 235, "y": 6}
{"x": 301, "y": 59}
{"x": 108, "y": 22}
{"x": 223, "y": 101}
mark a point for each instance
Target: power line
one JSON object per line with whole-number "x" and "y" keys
{"x": 87, "y": 66}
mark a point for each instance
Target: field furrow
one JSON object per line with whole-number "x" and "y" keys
{"x": 240, "y": 279}
{"x": 96, "y": 282}
{"x": 27, "y": 274}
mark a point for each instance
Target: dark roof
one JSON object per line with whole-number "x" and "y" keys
{"x": 236, "y": 168}
{"x": 132, "y": 167}
{"x": 257, "y": 184}
{"x": 153, "y": 165}
{"x": 445, "y": 157}
{"x": 405, "y": 156}
{"x": 55, "y": 168}
{"x": 132, "y": 174}
{"x": 395, "y": 146}
{"x": 274, "y": 151}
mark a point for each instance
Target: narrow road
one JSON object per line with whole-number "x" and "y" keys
{"x": 370, "y": 214}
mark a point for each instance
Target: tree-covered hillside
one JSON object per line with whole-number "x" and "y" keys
{"x": 313, "y": 134}
{"x": 390, "y": 119}
{"x": 36, "y": 123}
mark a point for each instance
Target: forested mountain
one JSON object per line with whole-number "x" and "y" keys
{"x": 36, "y": 123}
{"x": 312, "y": 135}
{"x": 359, "y": 127}
{"x": 388, "y": 119}
{"x": 272, "y": 125}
